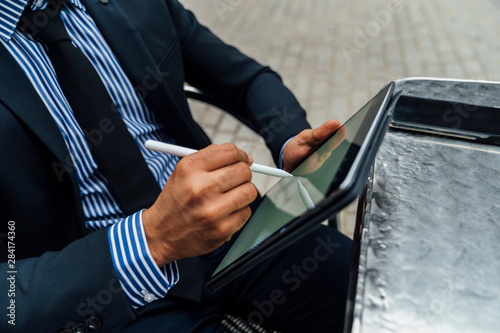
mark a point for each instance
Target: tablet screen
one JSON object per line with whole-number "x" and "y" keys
{"x": 321, "y": 174}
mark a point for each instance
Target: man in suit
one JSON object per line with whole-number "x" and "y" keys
{"x": 76, "y": 258}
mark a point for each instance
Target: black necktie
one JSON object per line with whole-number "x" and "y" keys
{"x": 117, "y": 154}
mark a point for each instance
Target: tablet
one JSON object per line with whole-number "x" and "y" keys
{"x": 325, "y": 182}
{"x": 442, "y": 117}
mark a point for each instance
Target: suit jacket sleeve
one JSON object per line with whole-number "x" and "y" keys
{"x": 80, "y": 277}
{"x": 253, "y": 93}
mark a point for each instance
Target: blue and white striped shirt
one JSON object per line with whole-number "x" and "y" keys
{"x": 140, "y": 277}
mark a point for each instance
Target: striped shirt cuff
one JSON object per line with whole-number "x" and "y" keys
{"x": 141, "y": 279}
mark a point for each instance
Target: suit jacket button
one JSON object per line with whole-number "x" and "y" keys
{"x": 79, "y": 328}
{"x": 93, "y": 322}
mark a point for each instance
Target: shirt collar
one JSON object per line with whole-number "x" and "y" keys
{"x": 11, "y": 11}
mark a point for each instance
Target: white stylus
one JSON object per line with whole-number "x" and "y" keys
{"x": 183, "y": 151}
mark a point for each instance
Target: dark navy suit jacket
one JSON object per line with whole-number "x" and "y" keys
{"x": 63, "y": 274}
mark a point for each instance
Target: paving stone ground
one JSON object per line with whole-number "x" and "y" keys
{"x": 336, "y": 54}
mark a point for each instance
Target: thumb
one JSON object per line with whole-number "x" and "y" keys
{"x": 324, "y": 131}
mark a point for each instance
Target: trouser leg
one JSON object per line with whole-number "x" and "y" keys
{"x": 299, "y": 289}
{"x": 302, "y": 288}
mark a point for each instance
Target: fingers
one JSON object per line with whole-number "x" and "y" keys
{"x": 236, "y": 217}
{"x": 234, "y": 200}
{"x": 218, "y": 169}
{"x": 226, "y": 215}
{"x": 237, "y": 220}
{"x": 214, "y": 195}
{"x": 314, "y": 137}
{"x": 302, "y": 145}
{"x": 217, "y": 156}
{"x": 225, "y": 229}
{"x": 231, "y": 176}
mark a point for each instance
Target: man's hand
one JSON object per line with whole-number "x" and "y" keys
{"x": 306, "y": 142}
{"x": 204, "y": 202}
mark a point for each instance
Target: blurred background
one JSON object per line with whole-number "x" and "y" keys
{"x": 335, "y": 55}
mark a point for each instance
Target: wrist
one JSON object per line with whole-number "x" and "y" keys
{"x": 155, "y": 242}
{"x": 281, "y": 162}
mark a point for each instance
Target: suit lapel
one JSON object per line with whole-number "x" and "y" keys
{"x": 19, "y": 96}
{"x": 17, "y": 93}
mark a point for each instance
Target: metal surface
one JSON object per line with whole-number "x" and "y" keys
{"x": 429, "y": 233}
{"x": 464, "y": 91}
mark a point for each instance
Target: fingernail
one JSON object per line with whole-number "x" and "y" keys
{"x": 250, "y": 159}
